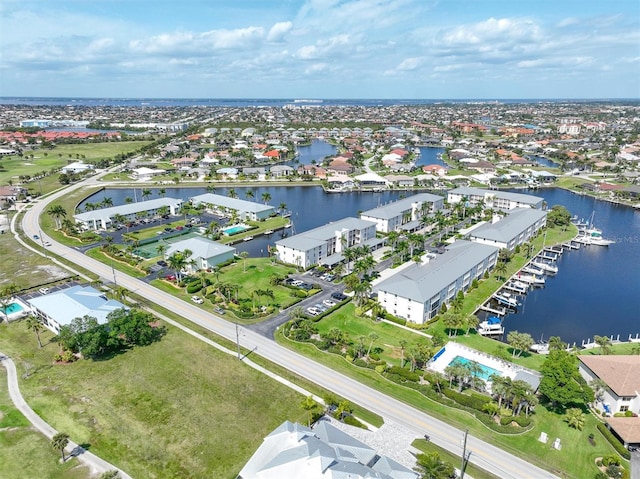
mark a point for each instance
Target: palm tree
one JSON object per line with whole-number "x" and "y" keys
{"x": 309, "y": 404}
{"x": 372, "y": 339}
{"x": 501, "y": 269}
{"x": 266, "y": 197}
{"x": 430, "y": 466}
{"x": 57, "y": 212}
{"x": 161, "y": 249}
{"x": 33, "y": 324}
{"x": 556, "y": 344}
{"x": 232, "y": 193}
{"x": 283, "y": 208}
{"x": 6, "y": 295}
{"x": 176, "y": 262}
{"x": 604, "y": 342}
{"x": 128, "y": 200}
{"x": 162, "y": 192}
{"x": 249, "y": 194}
{"x": 403, "y": 345}
{"x": 575, "y": 418}
{"x": 59, "y": 442}
{"x": 106, "y": 202}
{"x": 146, "y": 193}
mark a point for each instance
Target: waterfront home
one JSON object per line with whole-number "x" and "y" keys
{"x": 61, "y": 307}
{"x": 495, "y": 199}
{"x": 293, "y": 451}
{"x": 516, "y": 228}
{"x": 324, "y": 245}
{"x": 340, "y": 183}
{"x": 279, "y": 171}
{"x": 204, "y": 253}
{"x": 438, "y": 170}
{"x": 621, "y": 394}
{"x": 104, "y": 218}
{"x": 404, "y": 214}
{"x": 417, "y": 292}
{"x": 224, "y": 205}
{"x": 401, "y": 181}
{"x": 145, "y": 174}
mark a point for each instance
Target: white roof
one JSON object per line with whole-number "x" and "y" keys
{"x": 372, "y": 177}
{"x": 127, "y": 209}
{"x": 200, "y": 248}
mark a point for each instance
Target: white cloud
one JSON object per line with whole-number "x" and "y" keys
{"x": 278, "y": 32}
{"x": 334, "y": 46}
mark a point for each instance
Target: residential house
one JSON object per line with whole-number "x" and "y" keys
{"x": 293, "y": 451}
{"x": 104, "y": 218}
{"x": 59, "y": 308}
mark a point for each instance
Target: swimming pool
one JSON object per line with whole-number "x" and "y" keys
{"x": 232, "y": 230}
{"x": 12, "y": 308}
{"x": 485, "y": 371}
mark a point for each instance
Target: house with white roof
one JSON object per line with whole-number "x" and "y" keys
{"x": 204, "y": 252}
{"x": 76, "y": 167}
{"x": 293, "y": 451}
{"x": 325, "y": 244}
{"x": 495, "y": 199}
{"x": 61, "y": 307}
{"x": 404, "y": 214}
{"x": 417, "y": 292}
{"x": 145, "y": 174}
{"x": 224, "y": 205}
{"x": 104, "y": 217}
{"x": 516, "y": 228}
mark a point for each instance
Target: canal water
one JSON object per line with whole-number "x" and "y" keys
{"x": 317, "y": 150}
{"x": 596, "y": 291}
{"x": 429, "y": 156}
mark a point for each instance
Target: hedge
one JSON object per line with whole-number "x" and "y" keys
{"x": 617, "y": 445}
{"x": 194, "y": 287}
{"x": 473, "y": 402}
{"x": 404, "y": 373}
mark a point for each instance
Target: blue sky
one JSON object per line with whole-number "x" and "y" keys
{"x": 427, "y": 49}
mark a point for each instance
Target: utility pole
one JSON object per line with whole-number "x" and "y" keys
{"x": 238, "y": 340}
{"x": 465, "y": 455}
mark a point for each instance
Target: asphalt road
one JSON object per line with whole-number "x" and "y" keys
{"x": 485, "y": 455}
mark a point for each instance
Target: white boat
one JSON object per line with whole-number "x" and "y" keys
{"x": 589, "y": 234}
{"x": 546, "y": 267}
{"x": 518, "y": 286}
{"x": 490, "y": 327}
{"x": 532, "y": 270}
{"x": 506, "y": 299}
{"x": 531, "y": 279}
{"x": 268, "y": 232}
{"x": 540, "y": 348}
{"x": 288, "y": 225}
{"x": 247, "y": 238}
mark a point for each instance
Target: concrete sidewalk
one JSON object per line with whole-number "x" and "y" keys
{"x": 97, "y": 465}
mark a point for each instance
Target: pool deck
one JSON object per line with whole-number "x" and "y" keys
{"x": 14, "y": 316}
{"x": 453, "y": 349}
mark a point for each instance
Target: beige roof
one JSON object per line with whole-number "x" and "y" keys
{"x": 628, "y": 428}
{"x": 620, "y": 372}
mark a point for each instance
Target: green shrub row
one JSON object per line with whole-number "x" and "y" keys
{"x": 404, "y": 373}
{"x": 474, "y": 402}
{"x": 194, "y": 287}
{"x": 617, "y": 445}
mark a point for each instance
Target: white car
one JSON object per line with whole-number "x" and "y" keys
{"x": 197, "y": 299}
{"x": 47, "y": 243}
{"x": 329, "y": 303}
{"x": 313, "y": 311}
{"x": 43, "y": 290}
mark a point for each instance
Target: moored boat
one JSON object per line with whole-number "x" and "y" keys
{"x": 506, "y": 299}
{"x": 490, "y": 327}
{"x": 546, "y": 267}
{"x": 247, "y": 238}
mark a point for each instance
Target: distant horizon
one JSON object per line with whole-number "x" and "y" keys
{"x": 302, "y": 99}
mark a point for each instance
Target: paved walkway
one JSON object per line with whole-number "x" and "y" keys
{"x": 95, "y": 464}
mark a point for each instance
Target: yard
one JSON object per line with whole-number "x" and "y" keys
{"x": 177, "y": 408}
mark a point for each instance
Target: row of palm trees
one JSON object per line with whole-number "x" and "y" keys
{"x": 250, "y": 195}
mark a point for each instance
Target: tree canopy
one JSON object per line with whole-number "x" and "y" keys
{"x": 561, "y": 382}
{"x": 124, "y": 329}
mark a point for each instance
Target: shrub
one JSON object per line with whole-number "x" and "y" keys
{"x": 474, "y": 402}
{"x": 617, "y": 445}
{"x": 404, "y": 373}
{"x": 194, "y": 287}
{"x": 609, "y": 460}
{"x": 352, "y": 421}
{"x": 396, "y": 320}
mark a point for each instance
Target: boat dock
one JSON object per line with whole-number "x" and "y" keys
{"x": 515, "y": 289}
{"x": 499, "y": 312}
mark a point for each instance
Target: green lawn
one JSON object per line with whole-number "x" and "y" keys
{"x": 45, "y": 160}
{"x": 24, "y": 452}
{"x": 177, "y": 408}
{"x": 24, "y": 268}
{"x": 389, "y": 335}
{"x": 446, "y": 456}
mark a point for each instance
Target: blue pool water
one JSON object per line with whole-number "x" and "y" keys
{"x": 234, "y": 230}
{"x": 12, "y": 308}
{"x": 485, "y": 373}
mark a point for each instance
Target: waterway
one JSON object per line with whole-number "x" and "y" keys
{"x": 596, "y": 291}
{"x": 429, "y": 155}
{"x": 316, "y": 151}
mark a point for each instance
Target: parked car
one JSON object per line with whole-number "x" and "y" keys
{"x": 329, "y": 303}
{"x": 218, "y": 310}
{"x": 170, "y": 277}
{"x": 43, "y": 290}
{"x": 320, "y": 307}
{"x": 197, "y": 299}
{"x": 306, "y": 286}
{"x": 313, "y": 311}
{"x": 339, "y": 296}
{"x": 179, "y": 228}
{"x": 162, "y": 263}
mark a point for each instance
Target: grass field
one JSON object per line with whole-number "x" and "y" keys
{"x": 45, "y": 160}
{"x": 24, "y": 452}
{"x": 178, "y": 408}
{"x": 446, "y": 456}
{"x": 24, "y": 268}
